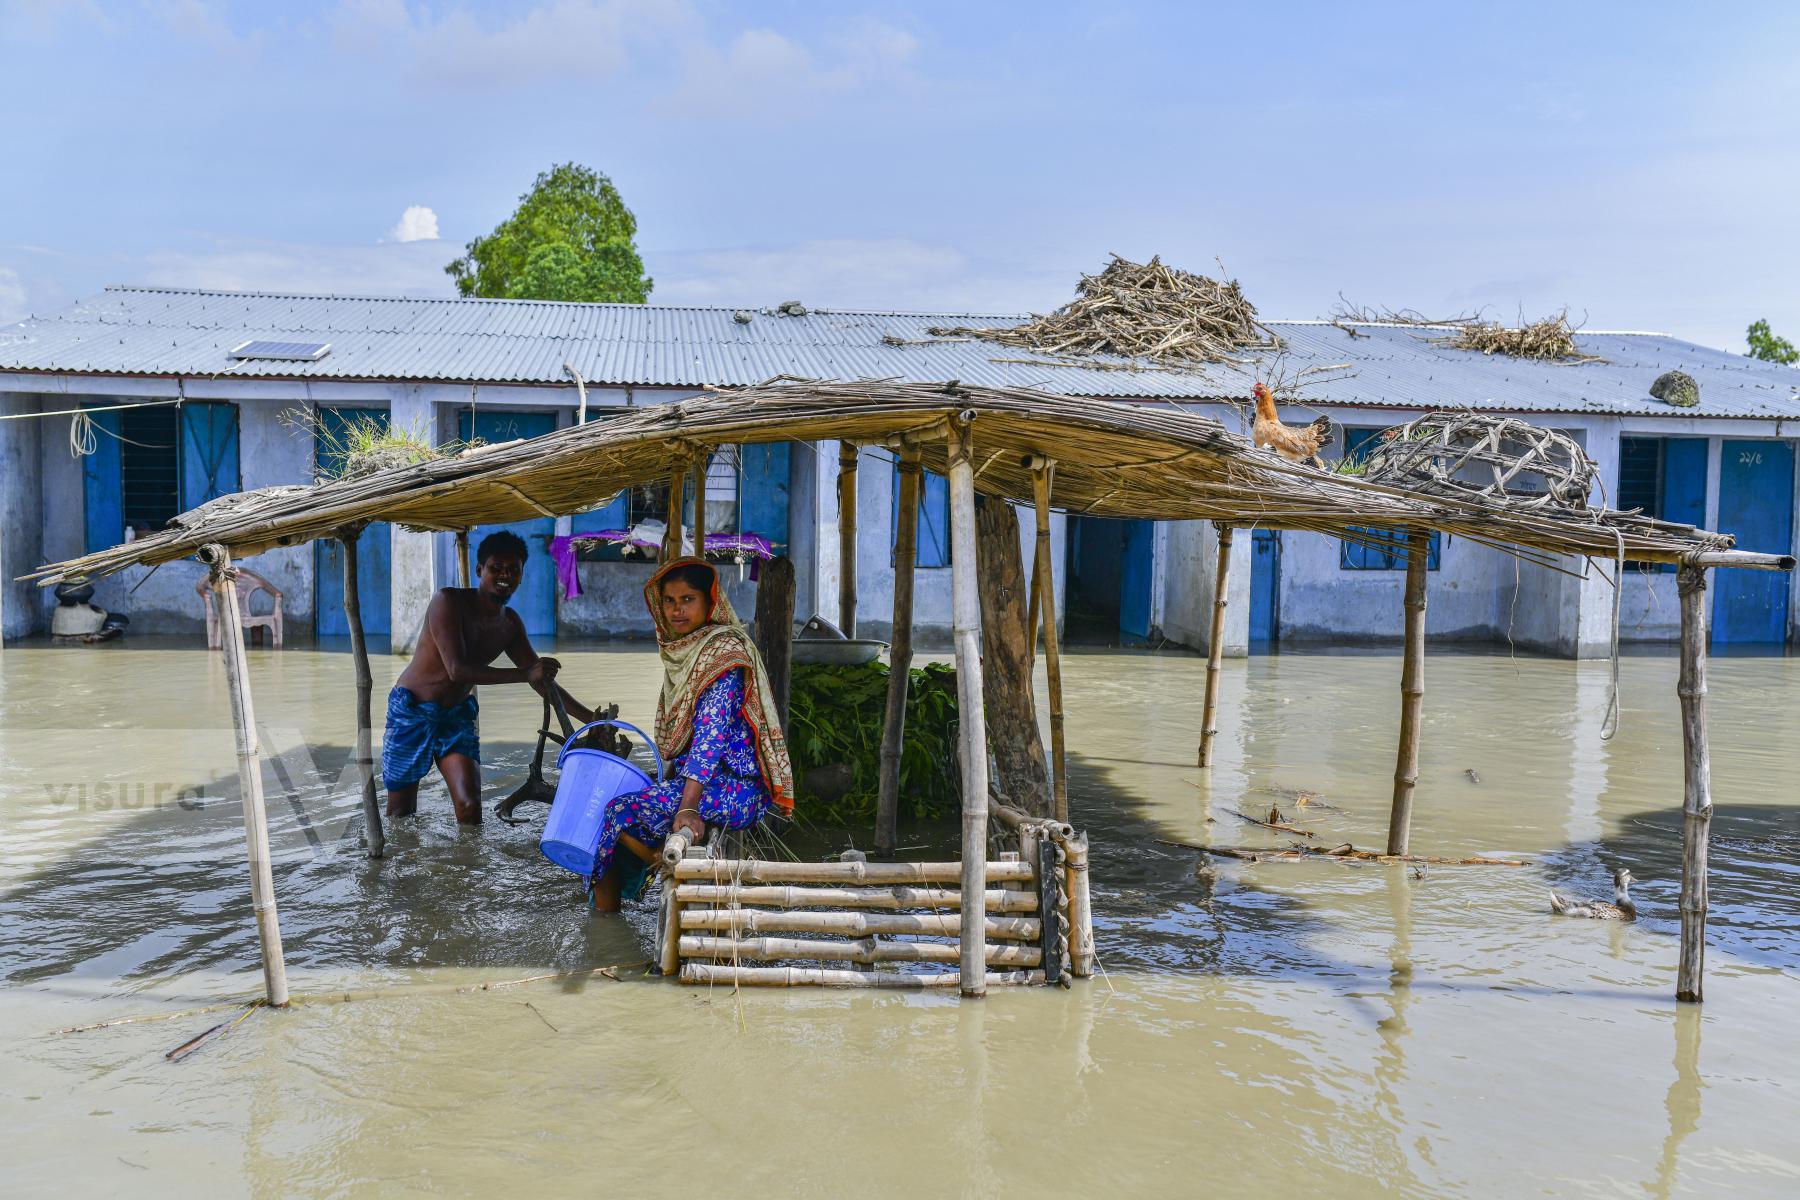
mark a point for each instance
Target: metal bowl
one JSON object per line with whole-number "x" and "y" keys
{"x": 837, "y": 652}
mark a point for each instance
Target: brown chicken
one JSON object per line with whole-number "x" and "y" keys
{"x": 1296, "y": 444}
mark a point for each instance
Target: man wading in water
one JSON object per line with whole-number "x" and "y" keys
{"x": 431, "y": 711}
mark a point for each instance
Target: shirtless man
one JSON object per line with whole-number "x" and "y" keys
{"x": 431, "y": 713}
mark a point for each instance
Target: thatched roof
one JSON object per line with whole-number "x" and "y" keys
{"x": 1113, "y": 459}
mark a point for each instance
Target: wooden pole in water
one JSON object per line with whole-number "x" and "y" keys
{"x": 1043, "y": 475}
{"x": 1215, "y": 648}
{"x": 1696, "y": 802}
{"x": 1412, "y": 694}
{"x": 893, "y": 730}
{"x": 775, "y": 629}
{"x": 671, "y": 547}
{"x": 972, "y": 719}
{"x": 847, "y": 538}
{"x": 464, "y": 571}
{"x": 256, "y": 823}
{"x": 374, "y": 837}
{"x": 700, "y": 467}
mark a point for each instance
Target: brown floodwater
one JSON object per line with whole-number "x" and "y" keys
{"x": 1266, "y": 1029}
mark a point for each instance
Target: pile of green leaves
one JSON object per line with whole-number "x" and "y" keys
{"x": 835, "y": 715}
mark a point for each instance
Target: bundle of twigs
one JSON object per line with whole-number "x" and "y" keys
{"x": 1141, "y": 310}
{"x": 1550, "y": 339}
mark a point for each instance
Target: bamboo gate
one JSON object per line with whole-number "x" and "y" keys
{"x": 1018, "y": 445}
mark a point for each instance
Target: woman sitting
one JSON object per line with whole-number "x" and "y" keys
{"x": 715, "y": 726}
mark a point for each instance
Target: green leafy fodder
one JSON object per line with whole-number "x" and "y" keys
{"x": 836, "y": 715}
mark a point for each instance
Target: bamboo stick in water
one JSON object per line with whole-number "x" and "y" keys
{"x": 1215, "y": 648}
{"x": 972, "y": 722}
{"x": 1044, "y": 594}
{"x": 249, "y": 764}
{"x": 737, "y": 870}
{"x": 893, "y": 896}
{"x": 1412, "y": 694}
{"x": 862, "y": 950}
{"x": 827, "y": 977}
{"x": 854, "y": 924}
{"x": 374, "y": 837}
{"x": 1696, "y": 801}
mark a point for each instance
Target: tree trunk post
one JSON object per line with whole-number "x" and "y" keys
{"x": 1696, "y": 801}
{"x": 775, "y": 629}
{"x": 701, "y": 465}
{"x": 1412, "y": 694}
{"x": 464, "y": 572}
{"x": 1014, "y": 739}
{"x": 847, "y": 538}
{"x": 249, "y": 764}
{"x": 1043, "y": 593}
{"x": 1215, "y": 648}
{"x": 671, "y": 547}
{"x": 972, "y": 721}
{"x": 893, "y": 732}
{"x": 374, "y": 837}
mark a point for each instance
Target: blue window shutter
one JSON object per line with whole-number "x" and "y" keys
{"x": 1684, "y": 481}
{"x": 1380, "y": 556}
{"x": 933, "y": 533}
{"x": 209, "y": 452}
{"x": 101, "y": 485}
{"x": 763, "y": 497}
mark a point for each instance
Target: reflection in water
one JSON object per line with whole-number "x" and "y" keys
{"x": 1344, "y": 1030}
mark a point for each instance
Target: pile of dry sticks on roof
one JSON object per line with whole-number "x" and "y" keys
{"x": 1548, "y": 339}
{"x": 1141, "y": 310}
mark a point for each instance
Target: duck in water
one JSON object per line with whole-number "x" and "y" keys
{"x": 1621, "y": 909}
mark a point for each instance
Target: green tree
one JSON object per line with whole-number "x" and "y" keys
{"x": 1765, "y": 345}
{"x": 571, "y": 238}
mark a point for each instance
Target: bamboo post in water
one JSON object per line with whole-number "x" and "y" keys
{"x": 373, "y": 835}
{"x": 972, "y": 719}
{"x": 1215, "y": 648}
{"x": 1412, "y": 694}
{"x": 847, "y": 538}
{"x": 1696, "y": 802}
{"x": 893, "y": 731}
{"x": 249, "y": 764}
{"x": 1043, "y": 594}
{"x": 463, "y": 570}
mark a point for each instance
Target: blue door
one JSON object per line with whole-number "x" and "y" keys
{"x": 1265, "y": 584}
{"x": 1139, "y": 538}
{"x": 372, "y": 549}
{"x": 1756, "y": 502}
{"x": 535, "y": 601}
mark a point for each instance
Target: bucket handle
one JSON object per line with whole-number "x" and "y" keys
{"x": 648, "y": 741}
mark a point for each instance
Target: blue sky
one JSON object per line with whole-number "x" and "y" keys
{"x": 1637, "y": 163}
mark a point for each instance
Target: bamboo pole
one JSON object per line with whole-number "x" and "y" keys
{"x": 1696, "y": 802}
{"x": 893, "y": 730}
{"x": 249, "y": 764}
{"x": 739, "y": 870}
{"x": 827, "y": 977}
{"x": 863, "y": 950}
{"x": 374, "y": 837}
{"x": 847, "y": 538}
{"x": 856, "y": 924}
{"x": 700, "y": 467}
{"x": 1412, "y": 694}
{"x": 668, "y": 940}
{"x": 1043, "y": 595}
{"x": 779, "y": 895}
{"x": 463, "y": 569}
{"x": 972, "y": 715}
{"x": 1215, "y": 648}
{"x": 1081, "y": 914}
{"x": 671, "y": 547}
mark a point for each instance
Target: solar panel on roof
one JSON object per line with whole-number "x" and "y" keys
{"x": 283, "y": 351}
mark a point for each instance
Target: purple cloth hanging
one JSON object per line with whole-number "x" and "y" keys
{"x": 568, "y": 573}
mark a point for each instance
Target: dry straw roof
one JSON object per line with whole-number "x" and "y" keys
{"x": 1113, "y": 460}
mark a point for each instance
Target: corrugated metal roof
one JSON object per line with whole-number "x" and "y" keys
{"x": 168, "y": 331}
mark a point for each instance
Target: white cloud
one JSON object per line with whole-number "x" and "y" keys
{"x": 385, "y": 269}
{"x": 762, "y": 69}
{"x": 417, "y": 224}
{"x": 12, "y": 297}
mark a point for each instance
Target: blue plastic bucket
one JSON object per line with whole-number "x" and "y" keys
{"x": 590, "y": 780}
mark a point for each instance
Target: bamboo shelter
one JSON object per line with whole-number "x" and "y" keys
{"x": 1032, "y": 448}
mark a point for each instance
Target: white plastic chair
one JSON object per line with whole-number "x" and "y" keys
{"x": 249, "y": 583}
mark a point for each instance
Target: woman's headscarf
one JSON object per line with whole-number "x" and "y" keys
{"x": 692, "y": 663}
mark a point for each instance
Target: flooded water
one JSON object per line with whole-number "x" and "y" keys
{"x": 1261, "y": 1029}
